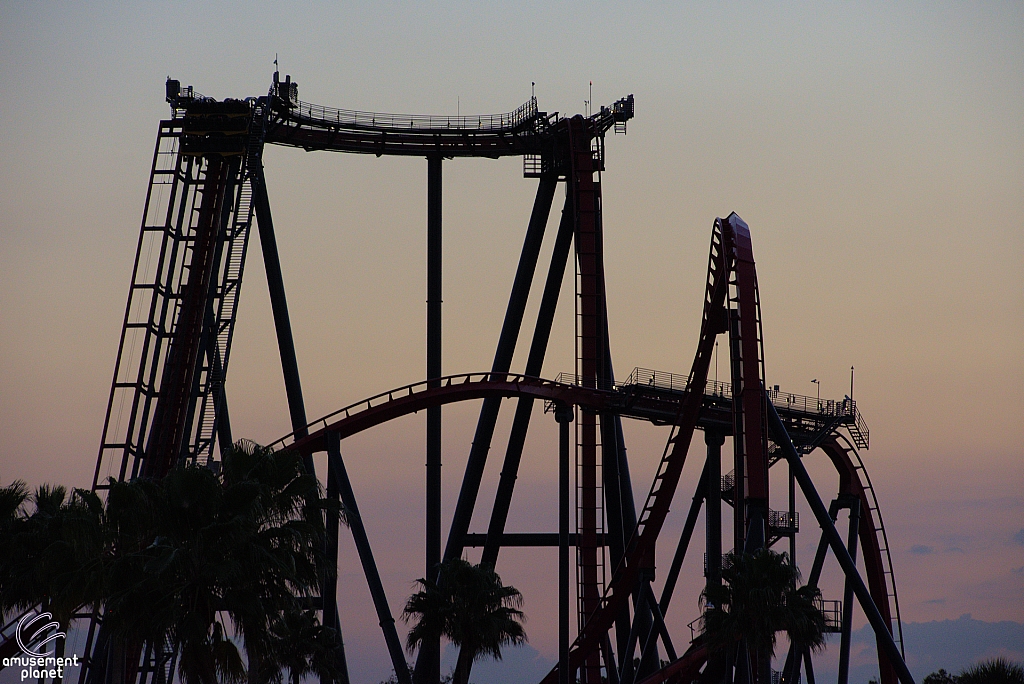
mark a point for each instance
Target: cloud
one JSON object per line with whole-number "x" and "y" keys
{"x": 950, "y": 644}
{"x": 1018, "y": 571}
{"x": 921, "y": 549}
{"x": 938, "y": 601}
{"x": 1019, "y": 537}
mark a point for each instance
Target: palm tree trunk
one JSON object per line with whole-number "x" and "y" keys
{"x": 764, "y": 667}
{"x": 743, "y": 664}
{"x": 462, "y": 666}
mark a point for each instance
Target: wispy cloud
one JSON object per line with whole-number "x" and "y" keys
{"x": 921, "y": 549}
{"x": 1019, "y": 537}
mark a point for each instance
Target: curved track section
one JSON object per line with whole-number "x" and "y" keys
{"x": 640, "y": 550}
{"x": 854, "y": 480}
{"x": 407, "y": 399}
{"x": 524, "y": 131}
{"x": 882, "y": 540}
{"x": 730, "y": 281}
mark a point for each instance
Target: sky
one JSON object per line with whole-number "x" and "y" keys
{"x": 876, "y": 151}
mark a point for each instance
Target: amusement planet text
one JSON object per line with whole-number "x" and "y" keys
{"x": 48, "y": 667}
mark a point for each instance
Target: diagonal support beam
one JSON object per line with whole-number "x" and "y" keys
{"x": 337, "y": 474}
{"x": 847, "y": 628}
{"x": 501, "y": 364}
{"x": 881, "y": 629}
{"x": 279, "y": 306}
{"x": 684, "y": 541}
{"x": 662, "y": 629}
{"x": 534, "y": 365}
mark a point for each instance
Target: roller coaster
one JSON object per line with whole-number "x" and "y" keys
{"x": 168, "y": 402}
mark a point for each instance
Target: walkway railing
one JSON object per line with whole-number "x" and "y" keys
{"x": 378, "y": 120}
{"x": 639, "y": 379}
{"x": 646, "y": 377}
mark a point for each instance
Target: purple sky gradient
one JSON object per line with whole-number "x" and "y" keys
{"x": 876, "y": 152}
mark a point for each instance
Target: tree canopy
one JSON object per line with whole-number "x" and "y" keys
{"x": 470, "y": 606}
{"x": 758, "y": 598}
{"x": 196, "y": 557}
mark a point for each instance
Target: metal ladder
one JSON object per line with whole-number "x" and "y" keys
{"x": 236, "y": 242}
{"x": 153, "y": 304}
{"x": 601, "y": 568}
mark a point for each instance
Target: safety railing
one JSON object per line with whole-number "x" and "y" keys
{"x": 580, "y": 381}
{"x": 779, "y": 677}
{"x": 833, "y": 612}
{"x": 646, "y": 377}
{"x": 378, "y": 120}
{"x": 672, "y": 382}
{"x": 784, "y": 520}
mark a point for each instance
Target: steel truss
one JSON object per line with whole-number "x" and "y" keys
{"x": 168, "y": 404}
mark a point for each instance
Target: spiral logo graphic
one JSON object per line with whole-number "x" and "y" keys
{"x": 28, "y": 623}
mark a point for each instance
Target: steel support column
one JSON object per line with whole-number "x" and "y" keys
{"x": 329, "y": 580}
{"x": 590, "y": 369}
{"x": 844, "y": 644}
{"x": 714, "y": 439}
{"x": 337, "y": 472}
{"x": 564, "y": 415}
{"x": 429, "y": 663}
{"x": 279, "y": 306}
{"x": 792, "y": 516}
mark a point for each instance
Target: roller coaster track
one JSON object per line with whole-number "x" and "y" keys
{"x": 167, "y": 401}
{"x": 874, "y": 540}
{"x": 659, "y": 397}
{"x": 524, "y": 131}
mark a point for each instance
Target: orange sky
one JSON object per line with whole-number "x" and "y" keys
{"x": 877, "y": 154}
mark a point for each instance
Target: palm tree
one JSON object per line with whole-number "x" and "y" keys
{"x": 52, "y": 553}
{"x": 472, "y": 608}
{"x": 996, "y": 671}
{"x": 758, "y": 599}
{"x": 202, "y": 553}
{"x": 189, "y": 558}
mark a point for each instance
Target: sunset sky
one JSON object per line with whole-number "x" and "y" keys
{"x": 877, "y": 153}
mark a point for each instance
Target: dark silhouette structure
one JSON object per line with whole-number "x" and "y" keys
{"x": 168, "y": 403}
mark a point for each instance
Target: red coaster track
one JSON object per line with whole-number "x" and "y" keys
{"x": 168, "y": 402}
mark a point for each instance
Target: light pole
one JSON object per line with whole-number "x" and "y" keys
{"x": 818, "y": 385}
